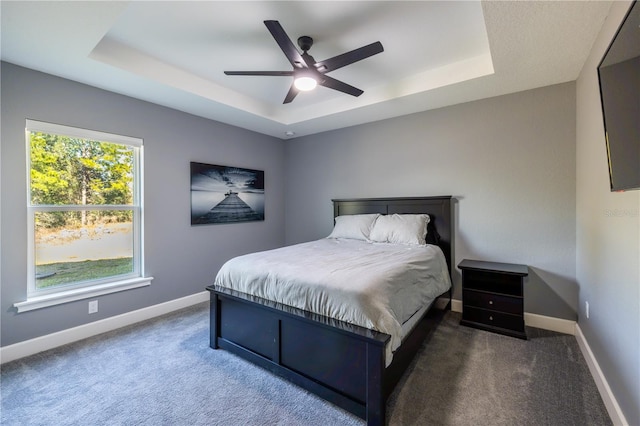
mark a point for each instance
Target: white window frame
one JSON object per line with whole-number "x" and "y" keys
{"x": 37, "y": 299}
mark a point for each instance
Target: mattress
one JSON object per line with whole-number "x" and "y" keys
{"x": 379, "y": 286}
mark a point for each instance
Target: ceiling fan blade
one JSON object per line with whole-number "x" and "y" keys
{"x": 349, "y": 57}
{"x": 285, "y": 43}
{"x": 332, "y": 83}
{"x": 293, "y": 91}
{"x": 271, "y": 73}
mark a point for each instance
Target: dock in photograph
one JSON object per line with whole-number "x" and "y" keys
{"x": 231, "y": 209}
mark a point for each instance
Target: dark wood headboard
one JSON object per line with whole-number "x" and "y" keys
{"x": 439, "y": 209}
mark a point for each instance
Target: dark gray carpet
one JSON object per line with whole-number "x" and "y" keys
{"x": 162, "y": 372}
{"x": 465, "y": 376}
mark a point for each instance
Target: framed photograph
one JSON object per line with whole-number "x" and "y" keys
{"x": 223, "y": 194}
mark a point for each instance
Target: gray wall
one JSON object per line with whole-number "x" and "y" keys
{"x": 608, "y": 242}
{"x": 509, "y": 161}
{"x": 182, "y": 259}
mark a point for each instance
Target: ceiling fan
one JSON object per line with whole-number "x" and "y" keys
{"x": 308, "y": 73}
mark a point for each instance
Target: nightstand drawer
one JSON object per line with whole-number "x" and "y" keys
{"x": 479, "y": 299}
{"x": 493, "y": 318}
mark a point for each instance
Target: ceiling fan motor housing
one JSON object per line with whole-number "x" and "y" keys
{"x": 305, "y": 43}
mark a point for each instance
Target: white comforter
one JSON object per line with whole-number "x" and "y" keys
{"x": 374, "y": 285}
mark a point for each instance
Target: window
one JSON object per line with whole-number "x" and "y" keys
{"x": 84, "y": 214}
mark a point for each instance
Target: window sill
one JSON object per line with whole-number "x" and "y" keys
{"x": 39, "y": 302}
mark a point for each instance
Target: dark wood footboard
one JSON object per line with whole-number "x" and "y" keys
{"x": 337, "y": 361}
{"x": 340, "y": 362}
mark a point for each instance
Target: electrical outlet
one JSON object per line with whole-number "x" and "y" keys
{"x": 93, "y": 306}
{"x": 586, "y": 309}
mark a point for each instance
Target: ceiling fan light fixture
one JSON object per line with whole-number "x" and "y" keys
{"x": 305, "y": 83}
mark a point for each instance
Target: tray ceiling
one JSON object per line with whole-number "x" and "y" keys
{"x": 174, "y": 53}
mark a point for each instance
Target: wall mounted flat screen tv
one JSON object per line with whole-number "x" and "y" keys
{"x": 619, "y": 76}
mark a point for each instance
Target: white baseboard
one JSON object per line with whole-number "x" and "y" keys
{"x": 50, "y": 341}
{"x": 610, "y": 402}
{"x": 559, "y": 325}
{"x": 456, "y": 305}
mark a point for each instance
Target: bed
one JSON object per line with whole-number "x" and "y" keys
{"x": 347, "y": 364}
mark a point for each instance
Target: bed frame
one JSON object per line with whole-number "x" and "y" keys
{"x": 340, "y": 362}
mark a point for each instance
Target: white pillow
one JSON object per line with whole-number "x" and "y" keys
{"x": 400, "y": 229}
{"x": 354, "y": 226}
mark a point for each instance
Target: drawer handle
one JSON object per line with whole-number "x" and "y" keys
{"x": 491, "y": 302}
{"x": 490, "y": 318}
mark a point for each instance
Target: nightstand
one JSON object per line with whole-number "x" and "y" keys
{"x": 492, "y": 296}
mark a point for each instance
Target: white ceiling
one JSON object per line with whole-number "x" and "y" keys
{"x": 173, "y": 53}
